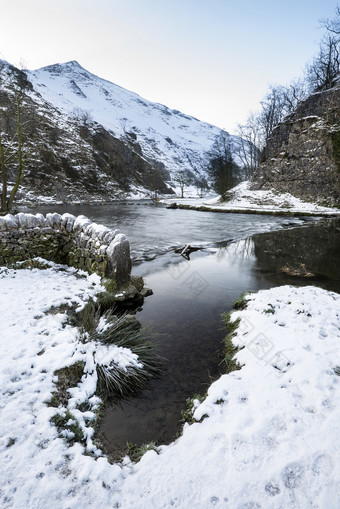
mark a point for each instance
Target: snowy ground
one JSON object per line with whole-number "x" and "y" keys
{"x": 242, "y": 198}
{"x": 37, "y": 467}
{"x": 271, "y": 438}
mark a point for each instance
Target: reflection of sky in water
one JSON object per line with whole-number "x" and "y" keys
{"x": 153, "y": 229}
{"x": 190, "y": 296}
{"x": 185, "y": 313}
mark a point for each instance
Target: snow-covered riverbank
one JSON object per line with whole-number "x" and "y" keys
{"x": 38, "y": 469}
{"x": 270, "y": 438}
{"x": 242, "y": 199}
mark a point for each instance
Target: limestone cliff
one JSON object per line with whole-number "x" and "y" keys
{"x": 302, "y": 156}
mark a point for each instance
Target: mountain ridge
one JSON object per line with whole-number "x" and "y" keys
{"x": 94, "y": 140}
{"x": 166, "y": 135}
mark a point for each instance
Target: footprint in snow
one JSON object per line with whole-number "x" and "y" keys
{"x": 323, "y": 464}
{"x": 323, "y": 334}
{"x": 249, "y": 505}
{"x": 293, "y": 474}
{"x": 272, "y": 488}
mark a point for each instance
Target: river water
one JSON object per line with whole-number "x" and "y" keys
{"x": 239, "y": 253}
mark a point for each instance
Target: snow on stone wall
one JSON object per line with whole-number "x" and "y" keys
{"x": 75, "y": 241}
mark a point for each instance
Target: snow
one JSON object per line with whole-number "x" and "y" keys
{"x": 243, "y": 198}
{"x": 269, "y": 431}
{"x": 37, "y": 467}
{"x": 168, "y": 136}
{"x": 271, "y": 436}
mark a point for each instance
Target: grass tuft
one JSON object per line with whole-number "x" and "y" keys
{"x": 109, "y": 284}
{"x": 125, "y": 331}
{"x": 300, "y": 271}
{"x": 106, "y": 301}
{"x": 68, "y": 422}
{"x": 31, "y": 264}
{"x": 113, "y": 382}
{"x": 87, "y": 319}
{"x": 187, "y": 413}
{"x": 229, "y": 348}
{"x": 136, "y": 452}
{"x": 241, "y": 303}
{"x": 68, "y": 377}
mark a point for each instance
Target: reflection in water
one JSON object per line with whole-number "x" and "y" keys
{"x": 317, "y": 247}
{"x": 242, "y": 250}
{"x": 153, "y": 230}
{"x": 187, "y": 319}
{"x": 190, "y": 296}
{"x": 185, "y": 313}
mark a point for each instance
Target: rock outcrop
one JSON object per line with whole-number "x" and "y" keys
{"x": 302, "y": 156}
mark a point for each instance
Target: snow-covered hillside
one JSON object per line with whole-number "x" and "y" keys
{"x": 168, "y": 136}
{"x": 87, "y": 139}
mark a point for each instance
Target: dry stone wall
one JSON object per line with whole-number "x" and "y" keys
{"x": 75, "y": 241}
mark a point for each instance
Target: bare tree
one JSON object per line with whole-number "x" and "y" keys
{"x": 325, "y": 67}
{"x": 201, "y": 185}
{"x": 322, "y": 72}
{"x": 273, "y": 111}
{"x": 12, "y": 148}
{"x": 293, "y": 94}
{"x": 222, "y": 169}
{"x": 155, "y": 183}
{"x": 183, "y": 179}
{"x": 83, "y": 117}
{"x": 249, "y": 144}
{"x": 279, "y": 102}
{"x": 333, "y": 25}
{"x": 282, "y": 101}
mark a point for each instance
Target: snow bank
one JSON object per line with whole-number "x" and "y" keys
{"x": 244, "y": 199}
{"x": 269, "y": 435}
{"x": 37, "y": 467}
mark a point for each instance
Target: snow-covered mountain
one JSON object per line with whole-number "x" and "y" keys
{"x": 177, "y": 140}
{"x": 104, "y": 138}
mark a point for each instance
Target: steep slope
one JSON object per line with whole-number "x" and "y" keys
{"x": 167, "y": 136}
{"x": 90, "y": 140}
{"x": 66, "y": 159}
{"x": 302, "y": 156}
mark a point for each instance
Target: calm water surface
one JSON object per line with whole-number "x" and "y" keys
{"x": 152, "y": 230}
{"x": 240, "y": 253}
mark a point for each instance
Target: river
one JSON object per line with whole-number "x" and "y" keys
{"x": 239, "y": 253}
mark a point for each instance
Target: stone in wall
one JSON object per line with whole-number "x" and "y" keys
{"x": 75, "y": 241}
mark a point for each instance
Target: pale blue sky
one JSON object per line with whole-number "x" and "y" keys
{"x": 212, "y": 59}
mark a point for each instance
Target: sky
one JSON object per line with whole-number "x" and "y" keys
{"x": 212, "y": 59}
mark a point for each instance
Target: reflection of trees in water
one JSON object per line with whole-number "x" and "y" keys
{"x": 317, "y": 246}
{"x": 236, "y": 251}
